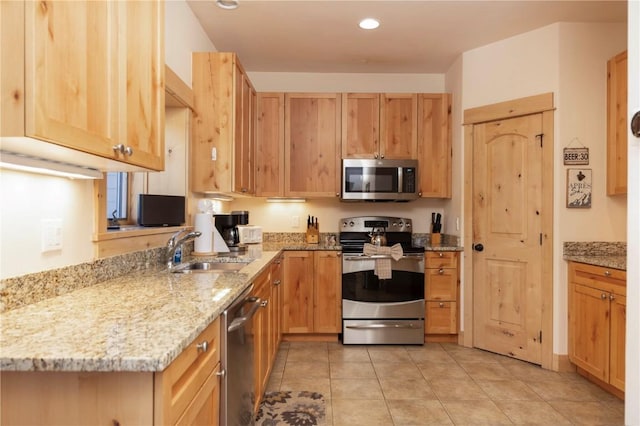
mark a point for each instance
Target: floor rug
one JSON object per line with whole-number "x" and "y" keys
{"x": 291, "y": 408}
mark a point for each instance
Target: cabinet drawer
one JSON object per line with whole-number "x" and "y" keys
{"x": 180, "y": 382}
{"x": 441, "y": 259}
{"x": 441, "y": 318}
{"x": 441, "y": 284}
{"x": 607, "y": 279}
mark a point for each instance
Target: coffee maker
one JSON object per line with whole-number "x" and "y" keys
{"x": 227, "y": 225}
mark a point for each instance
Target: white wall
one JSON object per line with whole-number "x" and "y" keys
{"x": 570, "y": 61}
{"x": 632, "y": 382}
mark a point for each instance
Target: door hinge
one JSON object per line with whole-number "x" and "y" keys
{"x": 540, "y": 136}
{"x": 540, "y": 337}
{"x": 541, "y": 238}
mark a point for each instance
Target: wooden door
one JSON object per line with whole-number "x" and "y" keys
{"x": 141, "y": 26}
{"x": 617, "y": 124}
{"x": 297, "y": 303}
{"x": 270, "y": 145}
{"x": 590, "y": 324}
{"x": 399, "y": 126}
{"x": 71, "y": 81}
{"x": 360, "y": 125}
{"x": 617, "y": 342}
{"x": 434, "y": 145}
{"x": 327, "y": 293}
{"x": 312, "y": 144}
{"x": 507, "y": 274}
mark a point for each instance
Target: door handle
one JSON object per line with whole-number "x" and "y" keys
{"x": 478, "y": 247}
{"x": 635, "y": 125}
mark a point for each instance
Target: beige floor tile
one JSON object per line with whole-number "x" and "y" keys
{"x": 475, "y": 413}
{"x": 486, "y": 370}
{"x": 462, "y": 354}
{"x": 396, "y": 369}
{"x": 360, "y": 412}
{"x": 426, "y": 347}
{"x": 452, "y": 370}
{"x": 457, "y": 390}
{"x": 416, "y": 388}
{"x": 532, "y": 413}
{"x": 508, "y": 390}
{"x": 355, "y": 389}
{"x": 349, "y": 354}
{"x": 274, "y": 382}
{"x": 417, "y": 412}
{"x": 299, "y": 354}
{"x": 530, "y": 372}
{"x": 279, "y": 363}
{"x": 430, "y": 356}
{"x": 352, "y": 370}
{"x": 588, "y": 413}
{"x": 322, "y": 386}
{"x": 389, "y": 354}
{"x": 328, "y": 412}
{"x": 567, "y": 391}
{"x": 306, "y": 369}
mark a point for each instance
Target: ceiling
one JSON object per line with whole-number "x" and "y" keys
{"x": 415, "y": 36}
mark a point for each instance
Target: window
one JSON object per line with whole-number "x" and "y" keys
{"x": 117, "y": 195}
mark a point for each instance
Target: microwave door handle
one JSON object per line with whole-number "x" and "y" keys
{"x": 400, "y": 176}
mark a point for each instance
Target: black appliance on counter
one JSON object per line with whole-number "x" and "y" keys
{"x": 227, "y": 225}
{"x": 375, "y": 310}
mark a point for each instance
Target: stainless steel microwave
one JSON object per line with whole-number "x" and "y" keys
{"x": 379, "y": 180}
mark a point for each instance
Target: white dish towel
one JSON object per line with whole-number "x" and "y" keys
{"x": 383, "y": 266}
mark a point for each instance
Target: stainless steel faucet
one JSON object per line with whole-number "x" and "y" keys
{"x": 174, "y": 243}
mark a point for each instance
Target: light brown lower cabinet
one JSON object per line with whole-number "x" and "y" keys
{"x": 185, "y": 393}
{"x": 312, "y": 292}
{"x": 441, "y": 295}
{"x": 597, "y": 317}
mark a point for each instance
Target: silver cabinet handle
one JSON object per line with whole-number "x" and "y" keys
{"x": 441, "y": 271}
{"x": 612, "y": 296}
{"x": 118, "y": 148}
{"x": 603, "y": 296}
{"x": 203, "y": 347}
{"x": 264, "y": 303}
{"x": 607, "y": 273}
{"x": 221, "y": 373}
{"x": 276, "y": 282}
{"x": 440, "y": 254}
{"x": 441, "y": 304}
{"x": 128, "y": 151}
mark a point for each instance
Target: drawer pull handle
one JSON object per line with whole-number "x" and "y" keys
{"x": 603, "y": 296}
{"x": 441, "y": 271}
{"x": 203, "y": 347}
{"x": 607, "y": 273}
{"x": 276, "y": 282}
{"x": 441, "y": 304}
{"x": 440, "y": 254}
{"x": 221, "y": 373}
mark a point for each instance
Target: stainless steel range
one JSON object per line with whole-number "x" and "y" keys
{"x": 381, "y": 310}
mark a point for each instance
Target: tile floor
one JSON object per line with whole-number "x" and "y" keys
{"x": 438, "y": 384}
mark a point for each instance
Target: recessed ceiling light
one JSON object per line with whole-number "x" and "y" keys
{"x": 227, "y": 4}
{"x": 369, "y": 24}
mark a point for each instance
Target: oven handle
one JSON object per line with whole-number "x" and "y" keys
{"x": 357, "y": 258}
{"x": 378, "y": 326}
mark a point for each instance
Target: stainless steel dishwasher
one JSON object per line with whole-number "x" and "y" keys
{"x": 236, "y": 396}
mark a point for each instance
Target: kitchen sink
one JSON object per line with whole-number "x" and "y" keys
{"x": 195, "y": 267}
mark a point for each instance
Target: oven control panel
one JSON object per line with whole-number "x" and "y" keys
{"x": 367, "y": 223}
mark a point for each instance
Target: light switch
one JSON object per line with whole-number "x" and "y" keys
{"x": 295, "y": 221}
{"x": 51, "y": 235}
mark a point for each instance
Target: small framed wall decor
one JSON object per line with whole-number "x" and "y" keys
{"x": 579, "y": 188}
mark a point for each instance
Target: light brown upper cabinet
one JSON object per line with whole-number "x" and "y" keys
{"x": 224, "y": 126}
{"x": 88, "y": 76}
{"x": 270, "y": 159}
{"x": 312, "y": 144}
{"x": 379, "y": 125}
{"x": 617, "y": 124}
{"x": 434, "y": 145}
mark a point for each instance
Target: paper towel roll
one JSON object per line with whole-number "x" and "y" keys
{"x": 203, "y": 224}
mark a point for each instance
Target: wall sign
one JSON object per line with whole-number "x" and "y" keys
{"x": 579, "y": 188}
{"x": 576, "y": 156}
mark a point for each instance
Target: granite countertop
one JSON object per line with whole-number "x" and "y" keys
{"x": 138, "y": 322}
{"x": 599, "y": 253}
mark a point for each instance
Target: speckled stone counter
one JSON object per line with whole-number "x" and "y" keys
{"x": 607, "y": 254}
{"x": 136, "y": 322}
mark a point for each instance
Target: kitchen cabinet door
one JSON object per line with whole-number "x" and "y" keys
{"x": 270, "y": 160}
{"x": 312, "y": 144}
{"x": 297, "y": 304}
{"x": 277, "y": 279}
{"x": 434, "y": 145}
{"x": 205, "y": 406}
{"x": 618, "y": 341}
{"x": 261, "y": 324}
{"x": 589, "y": 322}
{"x": 398, "y": 126}
{"x": 88, "y": 76}
{"x": 221, "y": 146}
{"x": 617, "y": 124}
{"x": 327, "y": 316}
{"x": 360, "y": 125}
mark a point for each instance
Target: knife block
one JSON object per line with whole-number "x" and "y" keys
{"x": 313, "y": 235}
{"x": 436, "y": 239}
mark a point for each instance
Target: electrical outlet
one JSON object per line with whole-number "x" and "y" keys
{"x": 457, "y": 223}
{"x": 214, "y": 154}
{"x": 51, "y": 235}
{"x": 295, "y": 221}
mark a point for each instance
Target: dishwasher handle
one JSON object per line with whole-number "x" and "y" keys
{"x": 240, "y": 321}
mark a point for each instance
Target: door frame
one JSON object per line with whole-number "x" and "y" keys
{"x": 504, "y": 110}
